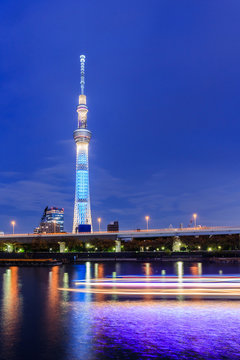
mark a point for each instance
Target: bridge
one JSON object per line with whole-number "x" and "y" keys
{"x": 124, "y": 235}
{"x": 176, "y": 234}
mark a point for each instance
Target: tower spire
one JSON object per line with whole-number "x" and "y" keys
{"x": 82, "y": 66}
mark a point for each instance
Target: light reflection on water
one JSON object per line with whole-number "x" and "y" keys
{"x": 40, "y": 322}
{"x": 11, "y": 309}
{"x": 170, "y": 329}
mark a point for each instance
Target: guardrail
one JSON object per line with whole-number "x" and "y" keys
{"x": 199, "y": 230}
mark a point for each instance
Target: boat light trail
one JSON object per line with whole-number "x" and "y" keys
{"x": 209, "y": 285}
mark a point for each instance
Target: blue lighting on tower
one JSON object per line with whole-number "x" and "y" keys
{"x": 82, "y": 220}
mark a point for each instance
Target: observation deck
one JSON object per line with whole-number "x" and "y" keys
{"x": 82, "y": 136}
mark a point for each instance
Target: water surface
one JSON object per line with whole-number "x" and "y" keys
{"x": 38, "y": 321}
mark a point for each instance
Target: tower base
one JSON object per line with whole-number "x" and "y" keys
{"x": 82, "y": 228}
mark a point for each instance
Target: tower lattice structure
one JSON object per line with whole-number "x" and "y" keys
{"x": 82, "y": 136}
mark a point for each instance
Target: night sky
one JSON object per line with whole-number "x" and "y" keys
{"x": 162, "y": 86}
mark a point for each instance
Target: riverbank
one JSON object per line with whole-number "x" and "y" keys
{"x": 56, "y": 258}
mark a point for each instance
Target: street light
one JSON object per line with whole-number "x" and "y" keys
{"x": 13, "y": 224}
{"x": 99, "y": 222}
{"x": 147, "y": 218}
{"x": 195, "y": 220}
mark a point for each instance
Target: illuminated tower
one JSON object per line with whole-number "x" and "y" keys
{"x": 82, "y": 220}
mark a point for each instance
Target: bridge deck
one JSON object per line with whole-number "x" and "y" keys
{"x": 126, "y": 234}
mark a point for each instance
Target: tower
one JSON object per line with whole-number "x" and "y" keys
{"x": 82, "y": 220}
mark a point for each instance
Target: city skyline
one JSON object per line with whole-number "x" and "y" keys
{"x": 164, "y": 105}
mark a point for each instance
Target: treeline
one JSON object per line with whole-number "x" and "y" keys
{"x": 188, "y": 243}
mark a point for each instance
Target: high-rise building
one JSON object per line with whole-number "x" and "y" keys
{"x": 82, "y": 220}
{"x": 52, "y": 220}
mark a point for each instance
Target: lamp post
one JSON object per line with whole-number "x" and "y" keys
{"x": 147, "y": 218}
{"x": 195, "y": 220}
{"x": 13, "y": 224}
{"x": 99, "y": 222}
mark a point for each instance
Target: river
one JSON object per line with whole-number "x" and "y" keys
{"x": 43, "y": 316}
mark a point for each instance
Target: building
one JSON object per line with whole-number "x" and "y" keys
{"x": 82, "y": 220}
{"x": 48, "y": 228}
{"x": 52, "y": 221}
{"x": 114, "y": 226}
{"x": 55, "y": 215}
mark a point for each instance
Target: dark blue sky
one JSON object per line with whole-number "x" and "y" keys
{"x": 162, "y": 84}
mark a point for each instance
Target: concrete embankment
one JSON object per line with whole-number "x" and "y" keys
{"x": 39, "y": 258}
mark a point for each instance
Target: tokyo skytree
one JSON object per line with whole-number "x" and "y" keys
{"x": 82, "y": 220}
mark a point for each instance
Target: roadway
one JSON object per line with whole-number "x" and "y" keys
{"x": 124, "y": 235}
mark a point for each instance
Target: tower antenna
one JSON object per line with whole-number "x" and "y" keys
{"x": 82, "y": 65}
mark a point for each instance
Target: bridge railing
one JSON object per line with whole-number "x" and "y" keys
{"x": 133, "y": 231}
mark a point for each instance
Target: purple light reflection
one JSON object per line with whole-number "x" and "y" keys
{"x": 166, "y": 329}
{"x": 171, "y": 329}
